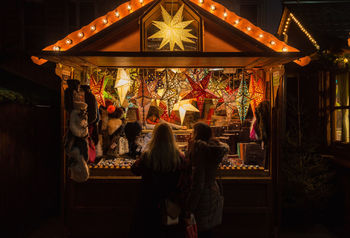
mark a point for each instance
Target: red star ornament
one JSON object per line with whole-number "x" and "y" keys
{"x": 257, "y": 92}
{"x": 97, "y": 89}
{"x": 143, "y": 99}
{"x": 199, "y": 90}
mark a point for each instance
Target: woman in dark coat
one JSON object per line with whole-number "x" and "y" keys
{"x": 205, "y": 154}
{"x": 161, "y": 168}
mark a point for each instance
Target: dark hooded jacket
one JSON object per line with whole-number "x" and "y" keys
{"x": 204, "y": 194}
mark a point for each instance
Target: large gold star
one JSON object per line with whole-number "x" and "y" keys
{"x": 172, "y": 29}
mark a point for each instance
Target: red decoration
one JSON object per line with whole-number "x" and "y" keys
{"x": 199, "y": 90}
{"x": 97, "y": 89}
{"x": 256, "y": 90}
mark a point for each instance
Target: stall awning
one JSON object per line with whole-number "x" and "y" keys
{"x": 171, "y": 59}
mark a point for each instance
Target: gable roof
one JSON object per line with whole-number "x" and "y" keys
{"x": 130, "y": 8}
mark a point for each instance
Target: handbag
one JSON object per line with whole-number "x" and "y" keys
{"x": 171, "y": 212}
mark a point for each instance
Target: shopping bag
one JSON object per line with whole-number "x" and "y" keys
{"x": 191, "y": 228}
{"x": 171, "y": 212}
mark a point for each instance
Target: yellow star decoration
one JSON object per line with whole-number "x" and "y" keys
{"x": 182, "y": 107}
{"x": 122, "y": 84}
{"x": 172, "y": 29}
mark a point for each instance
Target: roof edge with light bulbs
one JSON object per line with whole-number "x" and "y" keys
{"x": 127, "y": 8}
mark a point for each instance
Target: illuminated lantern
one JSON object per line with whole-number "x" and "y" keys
{"x": 122, "y": 84}
{"x": 256, "y": 91}
{"x": 143, "y": 99}
{"x": 199, "y": 90}
{"x": 243, "y": 99}
{"x": 182, "y": 106}
{"x": 97, "y": 89}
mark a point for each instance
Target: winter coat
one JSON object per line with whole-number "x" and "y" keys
{"x": 155, "y": 187}
{"x": 204, "y": 194}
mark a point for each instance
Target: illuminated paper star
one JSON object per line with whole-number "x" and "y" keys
{"x": 182, "y": 106}
{"x": 171, "y": 90}
{"x": 156, "y": 93}
{"x": 257, "y": 92}
{"x": 97, "y": 89}
{"x": 143, "y": 99}
{"x": 122, "y": 84}
{"x": 172, "y": 30}
{"x": 229, "y": 98}
{"x": 199, "y": 90}
{"x": 243, "y": 99}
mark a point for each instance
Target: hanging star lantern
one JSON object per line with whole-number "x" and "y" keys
{"x": 229, "y": 104}
{"x": 122, "y": 84}
{"x": 183, "y": 106}
{"x": 172, "y": 30}
{"x": 171, "y": 90}
{"x": 256, "y": 90}
{"x": 243, "y": 99}
{"x": 97, "y": 89}
{"x": 199, "y": 90}
{"x": 143, "y": 99}
{"x": 156, "y": 93}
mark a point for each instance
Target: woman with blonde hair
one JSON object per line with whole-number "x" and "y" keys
{"x": 161, "y": 167}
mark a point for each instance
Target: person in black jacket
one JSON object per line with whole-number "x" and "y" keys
{"x": 161, "y": 168}
{"x": 205, "y": 154}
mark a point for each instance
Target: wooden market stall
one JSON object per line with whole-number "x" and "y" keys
{"x": 225, "y": 69}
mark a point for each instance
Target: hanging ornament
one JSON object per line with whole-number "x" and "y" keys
{"x": 153, "y": 87}
{"x": 256, "y": 90}
{"x": 182, "y": 106}
{"x": 171, "y": 90}
{"x": 172, "y": 30}
{"x": 122, "y": 84}
{"x": 199, "y": 90}
{"x": 97, "y": 89}
{"x": 143, "y": 99}
{"x": 229, "y": 104}
{"x": 243, "y": 99}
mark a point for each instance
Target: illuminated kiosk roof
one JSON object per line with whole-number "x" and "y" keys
{"x": 115, "y": 40}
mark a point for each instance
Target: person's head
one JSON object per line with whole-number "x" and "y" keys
{"x": 153, "y": 113}
{"x": 202, "y": 131}
{"x": 163, "y": 154}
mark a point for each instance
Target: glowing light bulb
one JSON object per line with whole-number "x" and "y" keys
{"x": 141, "y": 1}
{"x": 81, "y": 34}
{"x": 236, "y": 21}
{"x": 346, "y": 60}
{"x": 212, "y": 7}
{"x": 249, "y": 28}
{"x": 225, "y": 14}
{"x": 56, "y": 48}
{"x": 92, "y": 27}
{"x": 261, "y": 35}
{"x": 272, "y": 42}
{"x": 201, "y": 1}
{"x": 68, "y": 41}
{"x": 284, "y": 49}
{"x": 117, "y": 14}
{"x": 129, "y": 7}
{"x": 105, "y": 21}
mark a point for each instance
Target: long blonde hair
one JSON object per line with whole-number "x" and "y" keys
{"x": 163, "y": 153}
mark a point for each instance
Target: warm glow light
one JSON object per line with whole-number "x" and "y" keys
{"x": 284, "y": 49}
{"x": 68, "y": 41}
{"x": 249, "y": 28}
{"x": 56, "y": 48}
{"x": 201, "y": 1}
{"x": 212, "y": 7}
{"x": 105, "y": 21}
{"x": 141, "y": 1}
{"x": 129, "y": 7}
{"x": 237, "y": 21}
{"x": 225, "y": 14}
{"x": 346, "y": 60}
{"x": 117, "y": 14}
{"x": 173, "y": 30}
{"x": 272, "y": 42}
{"x": 81, "y": 34}
{"x": 261, "y": 35}
{"x": 92, "y": 27}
